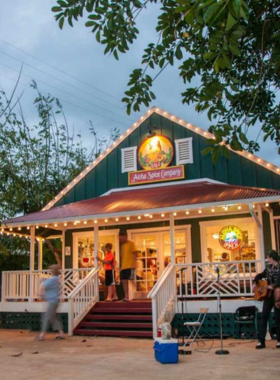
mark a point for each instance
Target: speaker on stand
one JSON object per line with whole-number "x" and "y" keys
{"x": 221, "y": 351}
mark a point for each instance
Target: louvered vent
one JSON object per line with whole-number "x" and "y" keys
{"x": 184, "y": 151}
{"x": 129, "y": 159}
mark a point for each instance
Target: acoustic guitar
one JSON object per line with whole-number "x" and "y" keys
{"x": 261, "y": 291}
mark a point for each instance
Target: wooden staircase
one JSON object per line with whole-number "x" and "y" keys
{"x": 120, "y": 319}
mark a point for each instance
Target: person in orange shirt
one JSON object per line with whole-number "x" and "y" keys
{"x": 109, "y": 266}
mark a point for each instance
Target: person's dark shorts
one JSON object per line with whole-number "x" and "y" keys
{"x": 109, "y": 278}
{"x": 127, "y": 274}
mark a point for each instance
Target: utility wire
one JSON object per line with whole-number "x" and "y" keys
{"x": 61, "y": 80}
{"x": 62, "y": 71}
{"x": 68, "y": 93}
{"x": 65, "y": 101}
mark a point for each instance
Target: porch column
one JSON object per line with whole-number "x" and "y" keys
{"x": 272, "y": 229}
{"x": 31, "y": 262}
{"x": 40, "y": 254}
{"x": 96, "y": 262}
{"x": 63, "y": 251}
{"x": 172, "y": 238}
{"x": 259, "y": 221}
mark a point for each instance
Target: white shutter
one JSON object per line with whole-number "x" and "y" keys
{"x": 129, "y": 159}
{"x": 184, "y": 151}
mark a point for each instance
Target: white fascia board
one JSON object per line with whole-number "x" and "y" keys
{"x": 148, "y": 211}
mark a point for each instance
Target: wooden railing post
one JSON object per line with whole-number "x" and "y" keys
{"x": 31, "y": 261}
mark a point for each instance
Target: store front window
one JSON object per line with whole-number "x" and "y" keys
{"x": 229, "y": 240}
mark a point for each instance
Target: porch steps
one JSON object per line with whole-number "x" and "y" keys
{"x": 118, "y": 319}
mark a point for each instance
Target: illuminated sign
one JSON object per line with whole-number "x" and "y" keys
{"x": 155, "y": 153}
{"x": 156, "y": 175}
{"x": 230, "y": 237}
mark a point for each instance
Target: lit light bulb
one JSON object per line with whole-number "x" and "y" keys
{"x": 139, "y": 217}
{"x": 95, "y": 221}
{"x": 128, "y": 218}
{"x": 19, "y": 228}
{"x": 65, "y": 224}
{"x": 11, "y": 229}
{"x": 212, "y": 210}
{"x": 239, "y": 207}
{"x": 187, "y": 213}
{"x": 85, "y": 222}
{"x": 117, "y": 219}
{"x": 37, "y": 227}
{"x": 199, "y": 211}
{"x": 28, "y": 228}
{"x": 46, "y": 226}
{"x": 151, "y": 216}
{"x": 175, "y": 213}
{"x": 162, "y": 215}
{"x": 55, "y": 225}
{"x": 267, "y": 204}
{"x": 106, "y": 220}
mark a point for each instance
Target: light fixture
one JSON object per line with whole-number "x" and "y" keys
{"x": 65, "y": 224}
{"x": 28, "y": 228}
{"x": 267, "y": 204}
{"x": 117, "y": 219}
{"x": 187, "y": 213}
{"x": 46, "y": 226}
{"x": 85, "y": 222}
{"x": 55, "y": 225}
{"x": 147, "y": 215}
{"x": 151, "y": 216}
{"x": 37, "y": 227}
{"x": 11, "y": 229}
{"x": 212, "y": 210}
{"x": 19, "y": 228}
{"x": 95, "y": 221}
{"x": 215, "y": 236}
{"x": 239, "y": 207}
{"x": 128, "y": 218}
{"x": 162, "y": 215}
{"x": 199, "y": 211}
{"x": 175, "y": 213}
{"x": 106, "y": 220}
{"x": 139, "y": 217}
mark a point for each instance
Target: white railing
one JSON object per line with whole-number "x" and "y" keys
{"x": 163, "y": 296}
{"x": 82, "y": 299}
{"x": 25, "y": 285}
{"x": 200, "y": 280}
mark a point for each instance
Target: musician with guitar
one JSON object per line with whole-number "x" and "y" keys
{"x": 272, "y": 275}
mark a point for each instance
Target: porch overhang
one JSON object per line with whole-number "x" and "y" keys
{"x": 151, "y": 200}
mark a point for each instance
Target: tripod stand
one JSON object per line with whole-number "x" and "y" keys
{"x": 221, "y": 351}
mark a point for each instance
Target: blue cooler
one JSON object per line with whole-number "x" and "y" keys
{"x": 166, "y": 351}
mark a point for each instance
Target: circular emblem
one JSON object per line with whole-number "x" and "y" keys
{"x": 230, "y": 237}
{"x": 155, "y": 152}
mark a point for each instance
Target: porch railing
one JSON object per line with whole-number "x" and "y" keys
{"x": 163, "y": 296}
{"x": 82, "y": 299}
{"x": 200, "y": 280}
{"x": 25, "y": 285}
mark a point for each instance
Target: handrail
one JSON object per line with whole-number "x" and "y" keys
{"x": 83, "y": 282}
{"x": 82, "y": 299}
{"x": 161, "y": 281}
{"x": 218, "y": 263}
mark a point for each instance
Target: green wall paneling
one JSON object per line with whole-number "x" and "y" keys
{"x": 26, "y": 320}
{"x": 206, "y": 166}
{"x": 90, "y": 184}
{"x": 193, "y": 170}
{"x": 266, "y": 232}
{"x": 61, "y": 202}
{"x": 249, "y": 174}
{"x": 101, "y": 178}
{"x": 113, "y": 180}
{"x": 69, "y": 197}
{"x": 234, "y": 169}
{"x": 220, "y": 170}
{"x": 263, "y": 177}
{"x": 80, "y": 190}
{"x": 275, "y": 181}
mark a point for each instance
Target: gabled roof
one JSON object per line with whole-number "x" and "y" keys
{"x": 267, "y": 165}
{"x": 154, "y": 199}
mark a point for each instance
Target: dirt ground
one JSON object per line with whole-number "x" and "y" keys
{"x": 115, "y": 358}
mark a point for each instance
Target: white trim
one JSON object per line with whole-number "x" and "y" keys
{"x": 189, "y": 143}
{"x": 203, "y": 235}
{"x": 140, "y": 121}
{"x": 174, "y": 183}
{"x": 132, "y": 149}
{"x": 76, "y": 235}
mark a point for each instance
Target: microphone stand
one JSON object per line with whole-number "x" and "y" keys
{"x": 221, "y": 351}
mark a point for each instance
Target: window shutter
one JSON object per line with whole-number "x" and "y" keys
{"x": 129, "y": 159}
{"x": 184, "y": 151}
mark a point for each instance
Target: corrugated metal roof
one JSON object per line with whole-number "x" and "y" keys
{"x": 150, "y": 198}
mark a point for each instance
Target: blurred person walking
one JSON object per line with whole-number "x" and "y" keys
{"x": 50, "y": 293}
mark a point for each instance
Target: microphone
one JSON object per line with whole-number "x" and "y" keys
{"x": 217, "y": 270}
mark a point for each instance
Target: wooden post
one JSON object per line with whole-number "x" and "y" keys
{"x": 272, "y": 229}
{"x": 40, "y": 254}
{"x": 96, "y": 262}
{"x": 172, "y": 238}
{"x": 31, "y": 262}
{"x": 63, "y": 251}
{"x": 259, "y": 221}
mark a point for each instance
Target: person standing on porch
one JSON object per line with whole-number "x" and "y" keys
{"x": 109, "y": 266}
{"x": 272, "y": 275}
{"x": 51, "y": 292}
{"x": 128, "y": 263}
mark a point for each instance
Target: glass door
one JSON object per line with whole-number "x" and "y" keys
{"x": 147, "y": 264}
{"x": 180, "y": 247}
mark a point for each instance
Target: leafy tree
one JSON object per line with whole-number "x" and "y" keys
{"x": 36, "y": 163}
{"x": 232, "y": 46}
